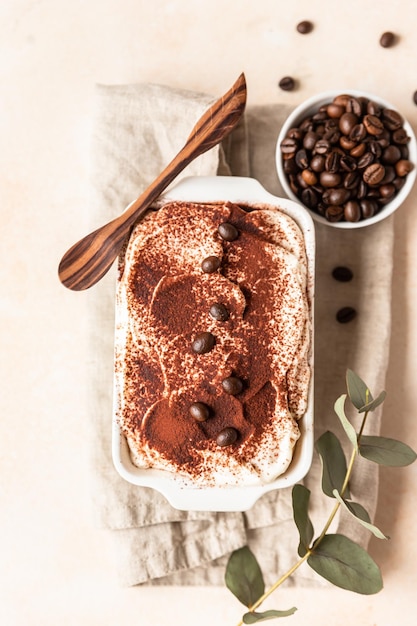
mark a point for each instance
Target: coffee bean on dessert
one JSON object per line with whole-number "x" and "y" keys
{"x": 387, "y": 39}
{"x": 203, "y": 343}
{"x": 210, "y": 264}
{"x": 346, "y": 314}
{"x": 304, "y": 27}
{"x": 228, "y": 232}
{"x": 342, "y": 274}
{"x": 227, "y": 436}
{"x": 199, "y": 411}
{"x": 287, "y": 83}
{"x": 219, "y": 312}
{"x": 232, "y": 385}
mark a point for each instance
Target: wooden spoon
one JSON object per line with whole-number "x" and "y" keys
{"x": 87, "y": 261}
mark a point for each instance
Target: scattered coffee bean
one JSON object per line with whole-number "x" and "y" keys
{"x": 227, "y": 436}
{"x": 228, "y": 232}
{"x": 232, "y": 385}
{"x": 287, "y": 83}
{"x": 210, "y": 264}
{"x": 219, "y": 312}
{"x": 304, "y": 27}
{"x": 415, "y": 97}
{"x": 199, "y": 411}
{"x": 351, "y": 151}
{"x": 346, "y": 314}
{"x": 203, "y": 343}
{"x": 387, "y": 39}
{"x": 342, "y": 274}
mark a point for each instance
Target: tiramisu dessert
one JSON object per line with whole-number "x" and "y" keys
{"x": 213, "y": 337}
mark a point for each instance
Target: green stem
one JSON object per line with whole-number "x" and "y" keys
{"x": 327, "y": 525}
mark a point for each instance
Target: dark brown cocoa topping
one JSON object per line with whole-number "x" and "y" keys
{"x": 219, "y": 312}
{"x": 203, "y": 343}
{"x": 227, "y": 436}
{"x": 228, "y": 231}
{"x": 232, "y": 385}
{"x": 199, "y": 411}
{"x": 210, "y": 264}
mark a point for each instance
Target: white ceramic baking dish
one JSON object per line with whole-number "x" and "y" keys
{"x": 179, "y": 494}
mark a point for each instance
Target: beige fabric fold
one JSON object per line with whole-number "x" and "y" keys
{"x": 137, "y": 130}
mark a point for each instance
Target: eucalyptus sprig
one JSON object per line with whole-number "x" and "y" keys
{"x": 333, "y": 556}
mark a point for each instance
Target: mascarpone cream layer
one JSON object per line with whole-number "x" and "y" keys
{"x": 163, "y": 301}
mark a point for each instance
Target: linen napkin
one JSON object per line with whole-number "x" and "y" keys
{"x": 137, "y": 130}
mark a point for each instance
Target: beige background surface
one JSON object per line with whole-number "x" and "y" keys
{"x": 56, "y": 566}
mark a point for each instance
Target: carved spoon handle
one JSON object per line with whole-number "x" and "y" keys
{"x": 87, "y": 261}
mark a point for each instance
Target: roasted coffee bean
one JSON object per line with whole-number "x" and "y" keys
{"x": 400, "y": 136}
{"x": 358, "y": 132}
{"x": 398, "y": 182}
{"x": 352, "y": 212}
{"x": 392, "y": 119}
{"x": 295, "y": 133}
{"x": 353, "y": 105}
{"x": 403, "y": 167}
{"x": 373, "y": 174}
{"x": 203, "y": 343}
{"x": 338, "y": 195}
{"x": 289, "y": 147}
{"x": 330, "y": 179}
{"x": 415, "y": 97}
{"x": 219, "y": 312}
{"x": 309, "y": 177}
{"x": 384, "y": 139}
{"x": 346, "y": 143}
{"x": 335, "y": 110}
{"x": 361, "y": 190}
{"x": 387, "y": 39}
{"x": 309, "y": 197}
{"x": 347, "y": 122}
{"x": 373, "y": 108}
{"x": 348, "y": 163}
{"x": 405, "y": 153}
{"x": 199, "y": 411}
{"x": 391, "y": 155}
{"x": 232, "y": 385}
{"x": 368, "y": 208}
{"x": 350, "y": 180}
{"x": 358, "y": 150}
{"x": 375, "y": 148}
{"x": 309, "y": 140}
{"x": 210, "y": 264}
{"x": 387, "y": 191}
{"x": 305, "y": 27}
{"x": 317, "y": 163}
{"x": 346, "y": 314}
{"x": 389, "y": 175}
{"x": 332, "y": 163}
{"x": 373, "y": 124}
{"x": 290, "y": 166}
{"x": 334, "y": 213}
{"x": 332, "y": 135}
{"x": 227, "y": 231}
{"x": 227, "y": 436}
{"x": 301, "y": 159}
{"x": 287, "y": 83}
{"x": 342, "y": 274}
{"x": 365, "y": 160}
{"x": 322, "y": 146}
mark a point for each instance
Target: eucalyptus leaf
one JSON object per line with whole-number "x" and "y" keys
{"x": 339, "y": 408}
{"x": 333, "y": 464}
{"x": 345, "y": 564}
{"x": 244, "y": 577}
{"x": 254, "y": 617}
{"x": 358, "y": 391}
{"x": 300, "y": 500}
{"x": 371, "y": 406}
{"x": 359, "y": 513}
{"x": 386, "y": 451}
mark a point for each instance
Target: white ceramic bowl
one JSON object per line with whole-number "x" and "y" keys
{"x": 311, "y": 106}
{"x": 177, "y": 492}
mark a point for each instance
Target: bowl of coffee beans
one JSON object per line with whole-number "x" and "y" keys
{"x": 349, "y": 158}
